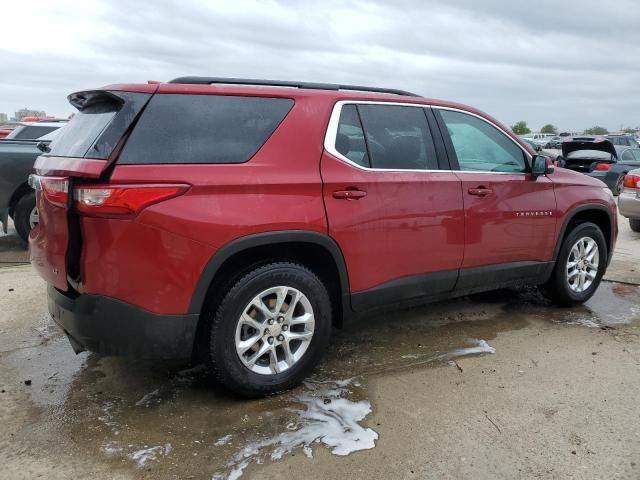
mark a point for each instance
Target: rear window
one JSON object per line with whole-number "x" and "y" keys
{"x": 203, "y": 129}
{"x": 591, "y": 154}
{"x": 32, "y": 132}
{"x": 85, "y": 127}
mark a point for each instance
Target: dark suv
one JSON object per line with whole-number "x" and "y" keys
{"x": 238, "y": 221}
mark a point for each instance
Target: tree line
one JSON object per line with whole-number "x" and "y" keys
{"x": 521, "y": 128}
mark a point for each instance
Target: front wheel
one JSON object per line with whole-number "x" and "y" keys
{"x": 270, "y": 330}
{"x": 634, "y": 223}
{"x": 579, "y": 267}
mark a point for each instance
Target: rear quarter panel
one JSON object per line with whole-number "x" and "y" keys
{"x": 156, "y": 259}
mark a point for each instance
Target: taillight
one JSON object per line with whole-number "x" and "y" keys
{"x": 116, "y": 200}
{"x": 603, "y": 167}
{"x": 55, "y": 190}
{"x": 632, "y": 181}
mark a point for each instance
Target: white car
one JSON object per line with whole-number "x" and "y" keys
{"x": 629, "y": 200}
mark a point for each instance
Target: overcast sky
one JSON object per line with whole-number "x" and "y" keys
{"x": 573, "y": 63}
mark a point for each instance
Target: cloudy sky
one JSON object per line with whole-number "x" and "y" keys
{"x": 573, "y": 63}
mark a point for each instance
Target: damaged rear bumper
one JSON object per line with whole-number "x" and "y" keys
{"x": 111, "y": 327}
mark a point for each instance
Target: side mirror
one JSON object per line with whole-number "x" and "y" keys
{"x": 541, "y": 165}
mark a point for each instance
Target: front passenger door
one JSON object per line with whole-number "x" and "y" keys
{"x": 510, "y": 215}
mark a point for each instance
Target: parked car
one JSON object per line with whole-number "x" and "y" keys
{"x": 599, "y": 158}
{"x": 34, "y": 130}
{"x": 539, "y": 138}
{"x": 623, "y": 140}
{"x": 629, "y": 200}
{"x": 244, "y": 232}
{"x": 534, "y": 146}
{"x": 6, "y": 129}
{"x": 554, "y": 142}
{"x": 17, "y": 199}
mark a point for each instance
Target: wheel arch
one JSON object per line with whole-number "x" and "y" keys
{"x": 595, "y": 213}
{"x": 18, "y": 193}
{"x": 317, "y": 251}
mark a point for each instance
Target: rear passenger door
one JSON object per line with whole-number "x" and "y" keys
{"x": 395, "y": 212}
{"x": 509, "y": 214}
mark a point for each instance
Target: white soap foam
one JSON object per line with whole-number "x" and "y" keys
{"x": 147, "y": 454}
{"x": 328, "y": 418}
{"x": 223, "y": 440}
{"x": 476, "y": 346}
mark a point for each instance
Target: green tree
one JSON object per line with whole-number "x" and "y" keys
{"x": 548, "y": 128}
{"x": 596, "y": 130}
{"x": 521, "y": 128}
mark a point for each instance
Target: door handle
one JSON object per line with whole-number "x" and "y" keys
{"x": 480, "y": 191}
{"x": 349, "y": 194}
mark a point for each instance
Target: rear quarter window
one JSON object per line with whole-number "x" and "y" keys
{"x": 203, "y": 129}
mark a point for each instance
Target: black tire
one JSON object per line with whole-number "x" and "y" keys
{"x": 223, "y": 360}
{"x": 21, "y": 215}
{"x": 557, "y": 288}
{"x": 634, "y": 223}
{"x": 619, "y": 185}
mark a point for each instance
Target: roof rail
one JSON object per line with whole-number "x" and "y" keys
{"x": 280, "y": 83}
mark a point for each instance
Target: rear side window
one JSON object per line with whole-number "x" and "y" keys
{"x": 398, "y": 137}
{"x": 627, "y": 155}
{"x": 350, "y": 137}
{"x": 203, "y": 129}
{"x": 32, "y": 132}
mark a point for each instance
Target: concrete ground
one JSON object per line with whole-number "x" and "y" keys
{"x": 557, "y": 398}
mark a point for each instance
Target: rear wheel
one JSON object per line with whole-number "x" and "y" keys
{"x": 634, "y": 223}
{"x": 579, "y": 267}
{"x": 25, "y": 215}
{"x": 270, "y": 330}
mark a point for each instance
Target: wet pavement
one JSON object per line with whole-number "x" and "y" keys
{"x": 498, "y": 385}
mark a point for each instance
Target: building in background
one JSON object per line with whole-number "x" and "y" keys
{"x": 27, "y": 112}
{"x": 3, "y": 117}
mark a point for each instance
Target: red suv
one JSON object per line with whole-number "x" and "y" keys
{"x": 238, "y": 221}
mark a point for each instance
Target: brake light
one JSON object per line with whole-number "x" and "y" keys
{"x": 632, "y": 181}
{"x": 55, "y": 190}
{"x": 116, "y": 200}
{"x": 603, "y": 167}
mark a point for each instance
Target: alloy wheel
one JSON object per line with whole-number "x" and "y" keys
{"x": 274, "y": 330}
{"x": 582, "y": 264}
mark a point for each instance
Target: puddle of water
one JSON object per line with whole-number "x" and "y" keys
{"x": 612, "y": 305}
{"x": 328, "y": 418}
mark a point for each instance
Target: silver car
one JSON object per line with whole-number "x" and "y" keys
{"x": 629, "y": 200}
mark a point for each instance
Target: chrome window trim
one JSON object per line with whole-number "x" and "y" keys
{"x": 332, "y": 132}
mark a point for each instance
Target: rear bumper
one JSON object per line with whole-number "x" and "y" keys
{"x": 111, "y": 327}
{"x": 629, "y": 205}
